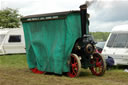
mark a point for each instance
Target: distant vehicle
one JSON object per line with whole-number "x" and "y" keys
{"x": 117, "y": 45}
{"x": 12, "y": 41}
{"x": 100, "y": 46}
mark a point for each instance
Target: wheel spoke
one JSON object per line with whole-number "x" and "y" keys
{"x": 74, "y": 72}
{"x": 97, "y": 59}
{"x": 73, "y": 65}
{"x": 98, "y": 64}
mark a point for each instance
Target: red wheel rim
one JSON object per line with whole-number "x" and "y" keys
{"x": 98, "y": 68}
{"x": 35, "y": 70}
{"x": 74, "y": 68}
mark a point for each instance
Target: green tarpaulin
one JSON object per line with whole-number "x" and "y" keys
{"x": 49, "y": 40}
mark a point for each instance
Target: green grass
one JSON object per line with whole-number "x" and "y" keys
{"x": 14, "y": 71}
{"x": 17, "y": 61}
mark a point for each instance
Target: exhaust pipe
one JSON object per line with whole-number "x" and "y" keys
{"x": 83, "y": 14}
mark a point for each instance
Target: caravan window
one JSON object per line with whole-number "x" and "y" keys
{"x": 111, "y": 40}
{"x": 121, "y": 40}
{"x": 15, "y": 38}
{"x": 1, "y": 38}
{"x": 118, "y": 40}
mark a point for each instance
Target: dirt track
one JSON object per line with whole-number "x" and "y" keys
{"x": 22, "y": 76}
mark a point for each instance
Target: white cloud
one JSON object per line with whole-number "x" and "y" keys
{"x": 27, "y": 7}
{"x": 104, "y": 13}
{"x": 97, "y": 26}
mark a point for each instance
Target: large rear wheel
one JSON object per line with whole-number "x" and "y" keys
{"x": 75, "y": 66}
{"x": 98, "y": 65}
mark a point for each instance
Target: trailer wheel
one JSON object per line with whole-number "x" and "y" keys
{"x": 98, "y": 65}
{"x": 75, "y": 66}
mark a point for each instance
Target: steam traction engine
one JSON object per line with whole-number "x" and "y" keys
{"x": 50, "y": 39}
{"x": 83, "y": 53}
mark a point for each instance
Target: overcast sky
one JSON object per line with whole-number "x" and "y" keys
{"x": 104, "y": 14}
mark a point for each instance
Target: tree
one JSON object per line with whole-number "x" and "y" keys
{"x": 9, "y": 18}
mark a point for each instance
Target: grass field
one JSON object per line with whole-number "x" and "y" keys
{"x": 14, "y": 71}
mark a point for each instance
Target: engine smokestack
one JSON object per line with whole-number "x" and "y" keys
{"x": 84, "y": 16}
{"x": 83, "y": 13}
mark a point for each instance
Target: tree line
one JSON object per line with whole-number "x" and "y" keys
{"x": 100, "y": 36}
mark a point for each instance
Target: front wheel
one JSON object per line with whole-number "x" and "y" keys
{"x": 98, "y": 65}
{"x": 75, "y": 66}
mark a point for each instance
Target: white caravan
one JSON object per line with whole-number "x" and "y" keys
{"x": 117, "y": 45}
{"x": 12, "y": 41}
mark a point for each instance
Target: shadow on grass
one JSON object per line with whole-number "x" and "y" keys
{"x": 50, "y": 73}
{"x": 85, "y": 73}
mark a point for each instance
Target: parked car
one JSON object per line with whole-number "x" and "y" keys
{"x": 100, "y": 46}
